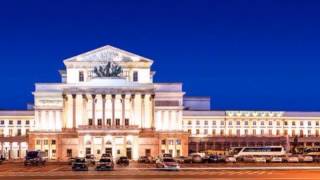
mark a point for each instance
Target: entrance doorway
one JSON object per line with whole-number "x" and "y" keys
{"x": 129, "y": 153}
{"x": 108, "y": 151}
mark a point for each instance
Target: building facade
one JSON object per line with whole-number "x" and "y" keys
{"x": 107, "y": 102}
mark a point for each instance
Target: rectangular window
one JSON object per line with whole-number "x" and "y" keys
{"x": 309, "y": 123}
{"x": 163, "y": 142}
{"x": 27, "y": 122}
{"x": 246, "y": 123}
{"x": 38, "y": 142}
{"x": 270, "y": 132}
{"x": 270, "y": 123}
{"x": 222, "y": 132}
{"x": 81, "y": 76}
{"x": 254, "y": 132}
{"x": 198, "y": 122}
{"x": 69, "y": 152}
{"x": 197, "y": 131}
{"x": 189, "y": 123}
{"x": 2, "y": 122}
{"x": 222, "y": 123}
{"x": 126, "y": 122}
{"x": 278, "y": 123}
{"x": 254, "y": 123}
{"x": 293, "y": 133}
{"x": 205, "y": 131}
{"x": 262, "y": 123}
{"x": 90, "y": 123}
{"x": 285, "y": 123}
{"x": 301, "y": 123}
{"x": 117, "y": 122}
{"x": 10, "y": 132}
{"x": 238, "y": 123}
{"x": 135, "y": 76}
{"x": 246, "y": 132}
{"x": 213, "y": 123}
{"x": 278, "y": 132}
{"x": 99, "y": 122}
{"x": 189, "y": 131}
{"x": 238, "y": 132}
{"x": 317, "y": 132}
{"x": 27, "y": 131}
{"x": 317, "y": 123}
{"x": 293, "y": 123}
{"x": 45, "y": 142}
{"x": 10, "y": 122}
{"x": 205, "y": 122}
{"x": 301, "y": 133}
{"x": 178, "y": 142}
{"x": 53, "y": 142}
{"x": 230, "y": 123}
{"x": 309, "y": 132}
{"x": 109, "y": 122}
{"x": 230, "y": 132}
{"x": 19, "y": 132}
{"x": 285, "y": 132}
{"x": 19, "y": 122}
{"x": 213, "y": 132}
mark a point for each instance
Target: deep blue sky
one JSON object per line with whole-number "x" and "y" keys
{"x": 254, "y": 55}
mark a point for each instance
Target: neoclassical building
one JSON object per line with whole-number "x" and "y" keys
{"x": 107, "y": 102}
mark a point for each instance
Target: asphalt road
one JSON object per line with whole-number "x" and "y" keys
{"x": 62, "y": 171}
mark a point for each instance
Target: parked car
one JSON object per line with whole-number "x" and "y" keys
{"x": 292, "y": 159}
{"x": 215, "y": 159}
{"x": 35, "y": 158}
{"x": 307, "y": 159}
{"x": 90, "y": 159}
{"x": 123, "y": 160}
{"x": 106, "y": 155}
{"x": 260, "y": 159}
{"x": 166, "y": 155}
{"x": 105, "y": 164}
{"x": 145, "y": 159}
{"x": 196, "y": 158}
{"x": 183, "y": 159}
{"x": 80, "y": 164}
{"x": 276, "y": 159}
{"x": 316, "y": 158}
{"x": 230, "y": 159}
{"x": 167, "y": 164}
{"x": 248, "y": 159}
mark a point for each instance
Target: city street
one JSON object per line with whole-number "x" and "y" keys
{"x": 139, "y": 171}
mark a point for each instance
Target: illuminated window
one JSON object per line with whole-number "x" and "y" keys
{"x": 90, "y": 122}
{"x": 246, "y": 132}
{"x": 246, "y": 123}
{"x": 285, "y": 123}
{"x": 19, "y": 132}
{"x": 213, "y": 132}
{"x": 109, "y": 122}
{"x": 178, "y": 142}
{"x": 198, "y": 122}
{"x": 117, "y": 122}
{"x": 238, "y": 123}
{"x": 301, "y": 123}
{"x": 293, "y": 123}
{"x": 189, "y": 131}
{"x": 213, "y": 123}
{"x": 205, "y": 122}
{"x": 254, "y": 123}
{"x": 230, "y": 132}
{"x": 309, "y": 123}
{"x": 205, "y": 131}
{"x": 99, "y": 122}
{"x": 189, "y": 123}
{"x": 45, "y": 142}
{"x": 285, "y": 132}
{"x": 270, "y": 123}
{"x": 278, "y": 132}
{"x": 38, "y": 142}
{"x": 10, "y": 132}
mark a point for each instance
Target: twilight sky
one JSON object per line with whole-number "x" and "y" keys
{"x": 246, "y": 55}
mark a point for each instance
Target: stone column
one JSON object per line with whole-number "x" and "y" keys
{"x": 132, "y": 109}
{"x": 74, "y": 110}
{"x": 103, "y": 110}
{"x": 65, "y": 110}
{"x": 93, "y": 109}
{"x": 84, "y": 109}
{"x": 113, "y": 97}
{"x": 123, "y": 103}
{"x": 142, "y": 111}
{"x": 152, "y": 111}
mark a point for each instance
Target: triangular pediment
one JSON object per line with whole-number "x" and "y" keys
{"x": 108, "y": 53}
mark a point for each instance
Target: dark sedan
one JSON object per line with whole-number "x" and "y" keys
{"x": 123, "y": 161}
{"x": 80, "y": 164}
{"x": 215, "y": 159}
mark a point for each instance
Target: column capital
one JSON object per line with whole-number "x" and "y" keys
{"x": 64, "y": 96}
{"x": 84, "y": 96}
{"x": 93, "y": 96}
{"x": 123, "y": 96}
{"x": 142, "y": 96}
{"x": 113, "y": 96}
{"x": 74, "y": 96}
{"x": 103, "y": 96}
{"x": 132, "y": 96}
{"x": 152, "y": 96}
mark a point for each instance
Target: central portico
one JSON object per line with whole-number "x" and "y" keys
{"x": 107, "y": 103}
